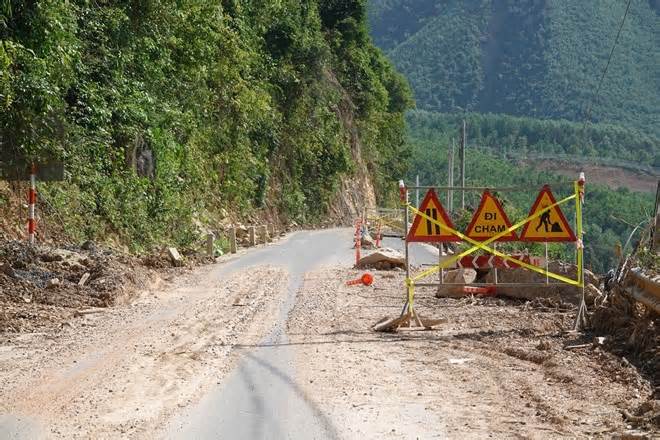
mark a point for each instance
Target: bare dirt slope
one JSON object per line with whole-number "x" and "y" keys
{"x": 609, "y": 176}
{"x": 497, "y": 369}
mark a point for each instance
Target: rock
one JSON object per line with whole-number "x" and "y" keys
{"x": 455, "y": 276}
{"x": 65, "y": 257}
{"x": 175, "y": 257}
{"x": 88, "y": 246}
{"x": 84, "y": 279}
{"x": 375, "y": 260}
{"x": 7, "y": 270}
{"x": 556, "y": 290}
{"x": 241, "y": 232}
{"x": 367, "y": 242}
{"x": 52, "y": 283}
{"x": 460, "y": 276}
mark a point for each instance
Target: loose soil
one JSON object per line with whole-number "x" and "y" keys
{"x": 41, "y": 289}
{"x": 498, "y": 368}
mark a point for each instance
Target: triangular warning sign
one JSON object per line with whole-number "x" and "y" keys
{"x": 490, "y": 220}
{"x": 424, "y": 230}
{"x": 549, "y": 226}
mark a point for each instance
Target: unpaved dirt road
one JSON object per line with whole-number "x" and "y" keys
{"x": 273, "y": 345}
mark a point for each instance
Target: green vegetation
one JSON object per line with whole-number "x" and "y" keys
{"x": 522, "y": 137}
{"x": 533, "y": 58}
{"x": 169, "y": 113}
{"x": 522, "y": 74}
{"x": 608, "y": 214}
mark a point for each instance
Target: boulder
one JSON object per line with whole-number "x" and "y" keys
{"x": 455, "y": 276}
{"x": 384, "y": 259}
{"x": 65, "y": 258}
{"x": 556, "y": 290}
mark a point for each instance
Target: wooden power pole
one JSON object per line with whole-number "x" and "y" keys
{"x": 462, "y": 159}
{"x": 450, "y": 175}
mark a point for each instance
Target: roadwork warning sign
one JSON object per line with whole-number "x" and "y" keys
{"x": 490, "y": 220}
{"x": 424, "y": 230}
{"x": 549, "y": 226}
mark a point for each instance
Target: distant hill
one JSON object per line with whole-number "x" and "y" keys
{"x": 534, "y": 58}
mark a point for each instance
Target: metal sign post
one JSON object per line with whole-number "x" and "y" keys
{"x": 20, "y": 170}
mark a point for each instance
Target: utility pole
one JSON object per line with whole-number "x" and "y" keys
{"x": 462, "y": 153}
{"x": 450, "y": 175}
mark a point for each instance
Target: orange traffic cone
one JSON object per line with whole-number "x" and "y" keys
{"x": 365, "y": 279}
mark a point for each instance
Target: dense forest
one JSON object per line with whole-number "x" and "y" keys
{"x": 170, "y": 113}
{"x": 608, "y": 214}
{"x": 528, "y": 137}
{"x": 532, "y": 58}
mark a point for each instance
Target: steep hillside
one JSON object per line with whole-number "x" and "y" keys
{"x": 169, "y": 114}
{"x": 535, "y": 58}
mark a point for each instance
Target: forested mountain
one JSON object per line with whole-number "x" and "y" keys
{"x": 533, "y": 58}
{"x": 169, "y": 113}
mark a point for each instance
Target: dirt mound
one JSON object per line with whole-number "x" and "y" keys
{"x": 42, "y": 285}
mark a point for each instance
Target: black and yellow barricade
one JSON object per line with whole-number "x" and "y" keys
{"x": 440, "y": 225}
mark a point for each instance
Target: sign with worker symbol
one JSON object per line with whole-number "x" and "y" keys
{"x": 490, "y": 220}
{"x": 424, "y": 230}
{"x": 551, "y": 225}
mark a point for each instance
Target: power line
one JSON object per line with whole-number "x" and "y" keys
{"x": 609, "y": 60}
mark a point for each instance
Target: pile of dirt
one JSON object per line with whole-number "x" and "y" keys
{"x": 42, "y": 286}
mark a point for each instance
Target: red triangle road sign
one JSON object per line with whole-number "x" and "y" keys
{"x": 423, "y": 230}
{"x": 490, "y": 220}
{"x": 549, "y": 226}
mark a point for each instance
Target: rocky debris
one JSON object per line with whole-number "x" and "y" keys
{"x": 52, "y": 283}
{"x": 555, "y": 290}
{"x": 367, "y": 242}
{"x": 456, "y": 276}
{"x": 646, "y": 416}
{"x": 41, "y": 286}
{"x": 88, "y": 246}
{"x": 241, "y": 232}
{"x": 6, "y": 269}
{"x": 383, "y": 259}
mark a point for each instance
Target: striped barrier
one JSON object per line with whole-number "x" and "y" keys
{"x": 494, "y": 261}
